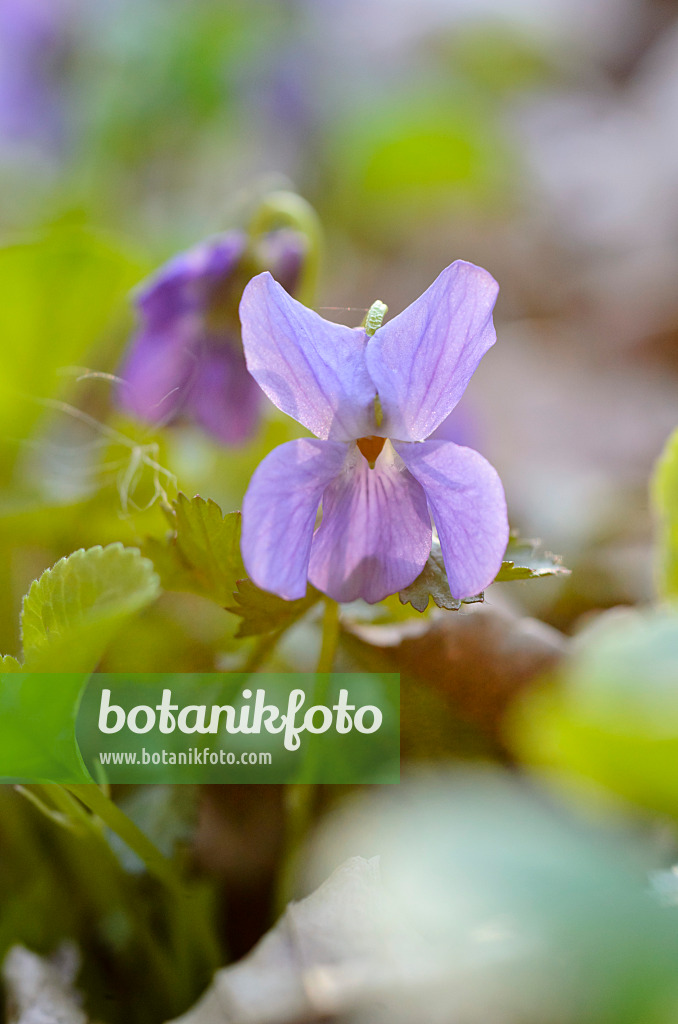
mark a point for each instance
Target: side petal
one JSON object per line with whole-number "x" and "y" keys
{"x": 155, "y": 376}
{"x": 422, "y": 360}
{"x": 279, "y": 512}
{"x": 311, "y": 369}
{"x": 224, "y": 399}
{"x": 467, "y": 502}
{"x": 375, "y": 534}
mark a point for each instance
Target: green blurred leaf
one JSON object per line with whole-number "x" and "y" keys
{"x": 9, "y": 664}
{"x": 497, "y": 57}
{"x": 73, "y": 611}
{"x": 665, "y": 495}
{"x": 432, "y": 582}
{"x": 524, "y": 561}
{"x": 407, "y": 155}
{"x": 60, "y": 296}
{"x": 202, "y": 555}
{"x": 611, "y": 713}
{"x": 262, "y": 612}
{"x": 37, "y": 727}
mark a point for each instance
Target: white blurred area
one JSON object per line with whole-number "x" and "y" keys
{"x": 603, "y": 173}
{"x": 382, "y": 26}
{"x": 492, "y": 903}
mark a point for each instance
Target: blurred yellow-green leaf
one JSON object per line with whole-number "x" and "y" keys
{"x": 61, "y": 295}
{"x": 665, "y": 494}
{"x": 610, "y": 714}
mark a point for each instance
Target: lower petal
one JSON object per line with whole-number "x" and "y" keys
{"x": 224, "y": 399}
{"x": 279, "y": 512}
{"x": 375, "y": 534}
{"x": 467, "y": 502}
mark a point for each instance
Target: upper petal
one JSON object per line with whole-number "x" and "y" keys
{"x": 279, "y": 512}
{"x": 310, "y": 368}
{"x": 467, "y": 502}
{"x": 183, "y": 285}
{"x": 375, "y": 534}
{"x": 422, "y": 360}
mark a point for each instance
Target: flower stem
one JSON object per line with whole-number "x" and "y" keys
{"x": 261, "y": 650}
{"x": 300, "y": 797}
{"x": 330, "y": 639}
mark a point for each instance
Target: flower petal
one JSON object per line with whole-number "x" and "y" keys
{"x": 311, "y": 369}
{"x": 279, "y": 512}
{"x": 224, "y": 399}
{"x": 375, "y": 534}
{"x": 422, "y": 360}
{"x": 164, "y": 355}
{"x": 467, "y": 502}
{"x": 156, "y": 374}
{"x": 183, "y": 285}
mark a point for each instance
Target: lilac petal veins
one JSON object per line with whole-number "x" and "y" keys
{"x": 279, "y": 513}
{"x": 222, "y": 397}
{"x": 422, "y": 360}
{"x": 467, "y": 502}
{"x": 311, "y": 369}
{"x": 375, "y": 534}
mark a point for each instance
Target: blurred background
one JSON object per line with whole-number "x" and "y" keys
{"x": 536, "y": 138}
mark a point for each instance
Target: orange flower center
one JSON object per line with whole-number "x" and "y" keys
{"x": 371, "y": 447}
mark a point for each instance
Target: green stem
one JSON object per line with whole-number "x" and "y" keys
{"x": 328, "y": 647}
{"x": 192, "y": 942}
{"x": 300, "y": 797}
{"x": 111, "y": 815}
{"x": 261, "y": 650}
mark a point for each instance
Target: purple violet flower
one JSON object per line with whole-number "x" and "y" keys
{"x": 371, "y": 401}
{"x": 186, "y": 359}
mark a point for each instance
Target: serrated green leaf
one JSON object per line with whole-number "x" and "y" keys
{"x": 69, "y": 617}
{"x": 202, "y": 555}
{"x": 262, "y": 612}
{"x": 72, "y": 612}
{"x": 665, "y": 496}
{"x": 524, "y": 561}
{"x": 432, "y": 583}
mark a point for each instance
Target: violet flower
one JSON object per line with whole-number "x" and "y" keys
{"x": 371, "y": 401}
{"x": 186, "y": 359}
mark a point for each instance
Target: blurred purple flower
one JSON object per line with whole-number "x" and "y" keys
{"x": 35, "y": 36}
{"x": 186, "y": 359}
{"x": 378, "y": 495}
